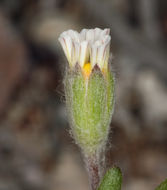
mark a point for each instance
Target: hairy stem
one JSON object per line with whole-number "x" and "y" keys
{"x": 94, "y": 169}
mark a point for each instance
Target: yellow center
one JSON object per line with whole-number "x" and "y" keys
{"x": 87, "y": 70}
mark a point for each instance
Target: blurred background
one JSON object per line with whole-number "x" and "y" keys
{"x": 36, "y": 150}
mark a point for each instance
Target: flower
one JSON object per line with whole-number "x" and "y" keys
{"x": 87, "y": 48}
{"x": 89, "y": 86}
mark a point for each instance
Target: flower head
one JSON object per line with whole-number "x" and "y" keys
{"x": 89, "y": 86}
{"x": 87, "y": 48}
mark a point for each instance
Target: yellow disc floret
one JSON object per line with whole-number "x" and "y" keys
{"x": 87, "y": 70}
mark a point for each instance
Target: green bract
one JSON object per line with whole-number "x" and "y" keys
{"x": 90, "y": 105}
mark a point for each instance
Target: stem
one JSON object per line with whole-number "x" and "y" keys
{"x": 94, "y": 170}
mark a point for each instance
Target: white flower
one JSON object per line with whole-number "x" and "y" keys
{"x": 90, "y": 46}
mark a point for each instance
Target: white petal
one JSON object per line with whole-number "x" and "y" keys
{"x": 105, "y": 32}
{"x": 97, "y": 33}
{"x": 90, "y": 36}
{"x": 106, "y": 39}
{"x": 106, "y": 56}
{"x": 62, "y": 42}
{"x": 66, "y": 43}
{"x": 101, "y": 55}
{"x": 98, "y": 43}
{"x": 75, "y": 53}
{"x": 93, "y": 55}
{"x": 74, "y": 35}
{"x": 83, "y": 53}
{"x": 83, "y": 34}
